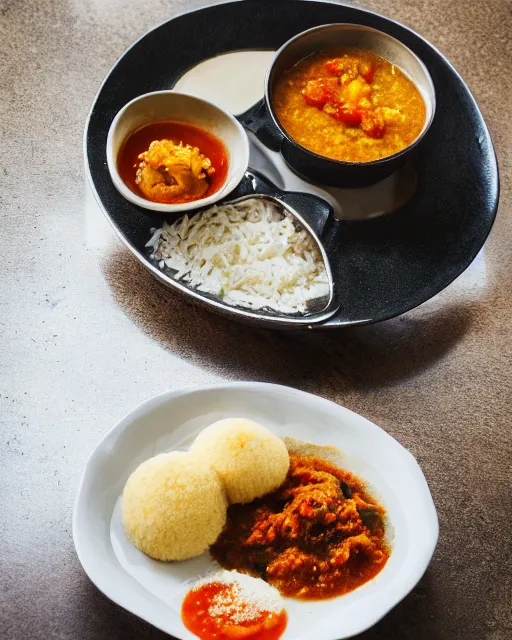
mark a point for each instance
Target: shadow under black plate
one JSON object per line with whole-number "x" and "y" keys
{"x": 384, "y": 266}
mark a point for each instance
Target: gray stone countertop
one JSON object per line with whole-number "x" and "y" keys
{"x": 86, "y": 334}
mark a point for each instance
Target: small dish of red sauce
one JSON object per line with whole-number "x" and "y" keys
{"x": 174, "y": 180}
{"x": 224, "y": 611}
{"x": 171, "y": 152}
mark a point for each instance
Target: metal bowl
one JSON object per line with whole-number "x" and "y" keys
{"x": 318, "y": 168}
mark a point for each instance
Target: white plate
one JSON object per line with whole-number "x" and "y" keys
{"x": 154, "y": 591}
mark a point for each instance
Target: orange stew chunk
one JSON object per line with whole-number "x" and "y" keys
{"x": 367, "y": 70}
{"x": 372, "y": 123}
{"x": 350, "y": 115}
{"x": 318, "y": 92}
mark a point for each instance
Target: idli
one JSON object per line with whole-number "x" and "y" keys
{"x": 250, "y": 460}
{"x": 173, "y": 507}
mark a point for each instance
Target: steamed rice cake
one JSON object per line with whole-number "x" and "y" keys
{"x": 173, "y": 507}
{"x": 250, "y": 460}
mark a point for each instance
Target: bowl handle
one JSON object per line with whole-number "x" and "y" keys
{"x": 258, "y": 120}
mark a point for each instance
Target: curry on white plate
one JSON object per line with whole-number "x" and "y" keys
{"x": 255, "y": 511}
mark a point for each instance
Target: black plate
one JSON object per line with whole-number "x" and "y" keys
{"x": 384, "y": 266}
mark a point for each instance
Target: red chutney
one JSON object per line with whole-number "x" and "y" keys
{"x": 215, "y": 611}
{"x": 139, "y": 142}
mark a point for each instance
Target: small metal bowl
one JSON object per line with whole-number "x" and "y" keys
{"x": 328, "y": 171}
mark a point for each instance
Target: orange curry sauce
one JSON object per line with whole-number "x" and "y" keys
{"x": 318, "y": 536}
{"x": 234, "y": 622}
{"x": 350, "y": 105}
{"x": 139, "y": 141}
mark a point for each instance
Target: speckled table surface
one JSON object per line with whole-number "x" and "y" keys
{"x": 87, "y": 334}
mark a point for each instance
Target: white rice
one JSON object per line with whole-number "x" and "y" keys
{"x": 249, "y": 254}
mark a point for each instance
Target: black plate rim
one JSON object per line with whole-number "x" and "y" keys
{"x": 328, "y": 324}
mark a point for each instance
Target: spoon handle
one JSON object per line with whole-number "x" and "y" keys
{"x": 257, "y": 120}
